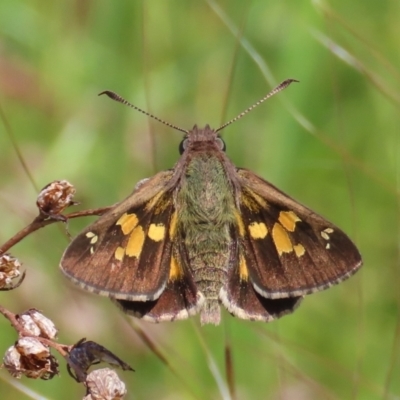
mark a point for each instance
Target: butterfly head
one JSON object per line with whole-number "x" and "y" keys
{"x": 198, "y": 138}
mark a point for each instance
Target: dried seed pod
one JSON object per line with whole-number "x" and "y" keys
{"x": 104, "y": 384}
{"x": 9, "y": 270}
{"x": 31, "y": 358}
{"x": 37, "y": 324}
{"x": 29, "y": 324}
{"x": 12, "y": 362}
{"x": 29, "y": 346}
{"x": 55, "y": 197}
{"x": 47, "y": 328}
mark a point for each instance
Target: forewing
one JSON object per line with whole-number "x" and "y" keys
{"x": 126, "y": 253}
{"x": 288, "y": 250}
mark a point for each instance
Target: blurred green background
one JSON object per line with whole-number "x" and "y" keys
{"x": 331, "y": 142}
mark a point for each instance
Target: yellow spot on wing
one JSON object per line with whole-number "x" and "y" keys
{"x": 119, "y": 253}
{"x": 128, "y": 222}
{"x": 175, "y": 271}
{"x": 93, "y": 239}
{"x": 258, "y": 199}
{"x": 288, "y": 220}
{"x": 135, "y": 242}
{"x": 239, "y": 222}
{"x": 243, "y": 271}
{"x": 325, "y": 235}
{"x": 154, "y": 201}
{"x": 172, "y": 225}
{"x": 281, "y": 239}
{"x": 156, "y": 232}
{"x": 299, "y": 250}
{"x": 258, "y": 230}
{"x": 253, "y": 201}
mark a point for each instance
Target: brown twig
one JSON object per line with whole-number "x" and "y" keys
{"x": 41, "y": 220}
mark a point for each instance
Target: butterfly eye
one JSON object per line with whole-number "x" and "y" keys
{"x": 221, "y": 144}
{"x": 183, "y": 145}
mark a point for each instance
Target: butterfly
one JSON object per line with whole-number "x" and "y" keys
{"x": 206, "y": 234}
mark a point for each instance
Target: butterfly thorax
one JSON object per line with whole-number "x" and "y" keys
{"x": 205, "y": 205}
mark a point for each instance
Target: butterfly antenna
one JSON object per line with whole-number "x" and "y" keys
{"x": 276, "y": 90}
{"x": 118, "y": 98}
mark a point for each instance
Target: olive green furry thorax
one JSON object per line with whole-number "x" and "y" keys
{"x": 205, "y": 204}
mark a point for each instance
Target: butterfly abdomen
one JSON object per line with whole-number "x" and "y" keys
{"x": 205, "y": 203}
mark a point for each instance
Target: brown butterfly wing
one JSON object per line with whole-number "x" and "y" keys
{"x": 179, "y": 300}
{"x": 242, "y": 300}
{"x": 126, "y": 253}
{"x": 130, "y": 255}
{"x": 288, "y": 250}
